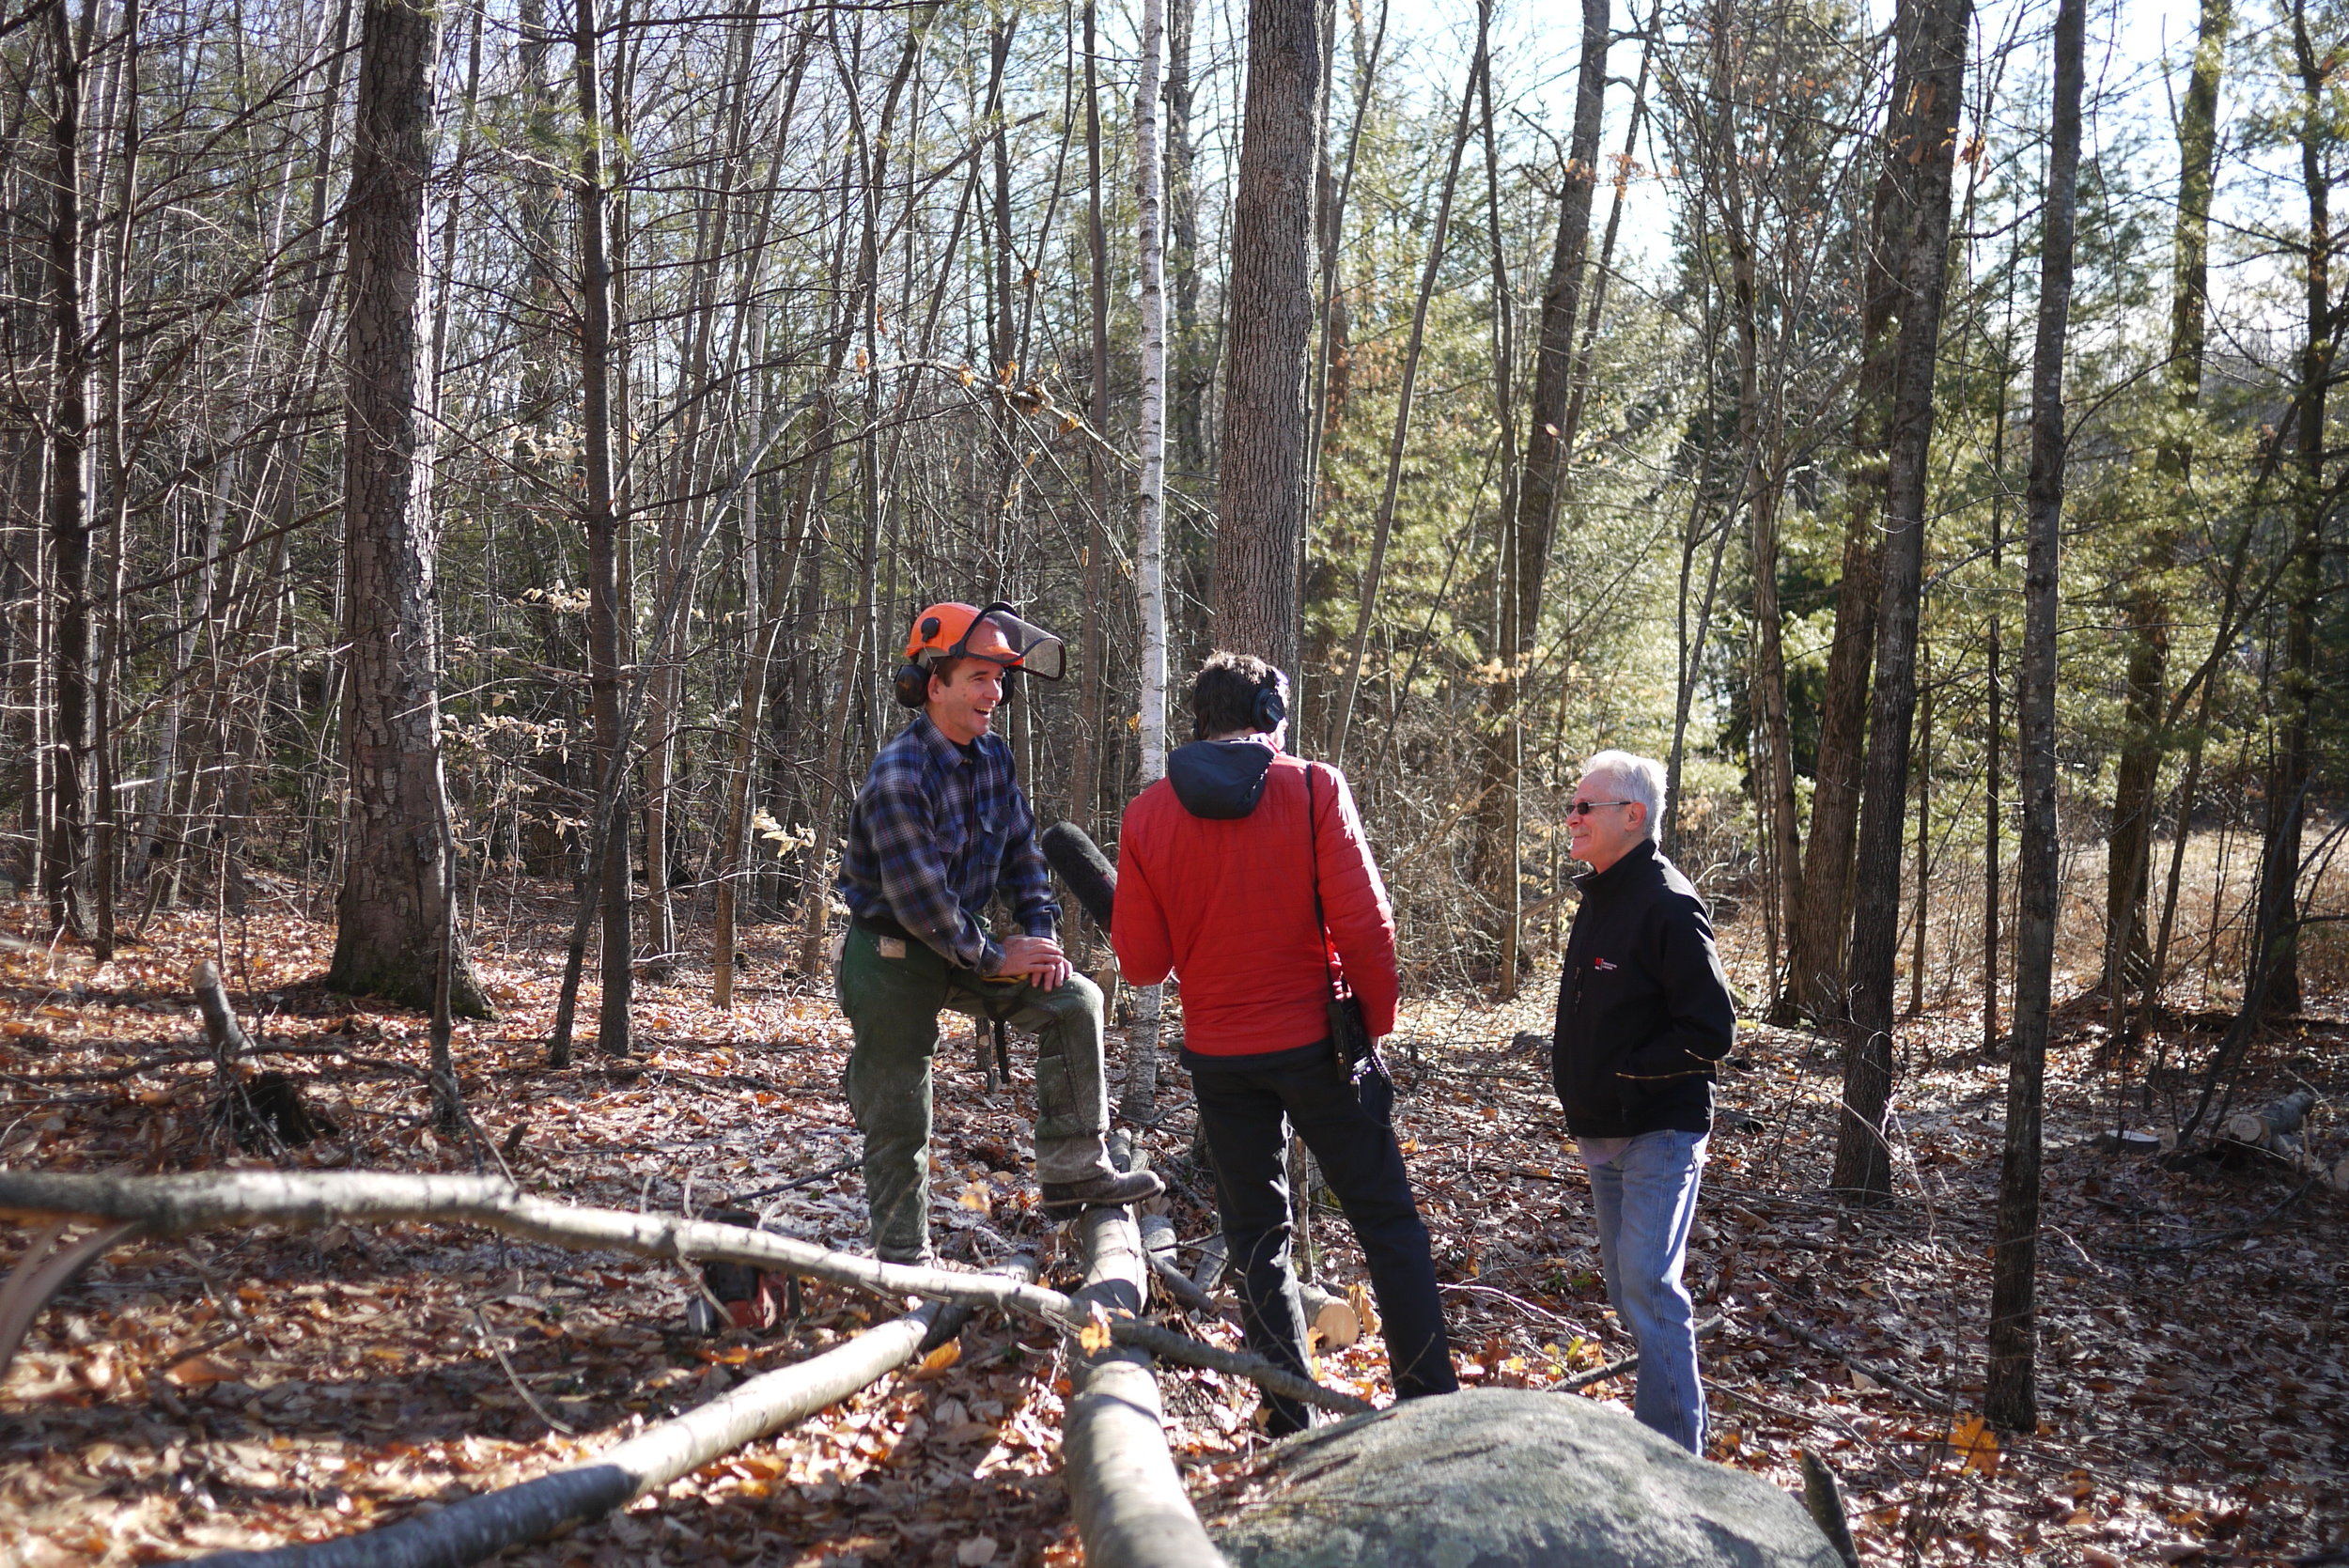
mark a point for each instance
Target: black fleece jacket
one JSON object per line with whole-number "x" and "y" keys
{"x": 1644, "y": 1008}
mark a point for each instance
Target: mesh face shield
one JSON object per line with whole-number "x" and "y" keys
{"x": 1003, "y": 637}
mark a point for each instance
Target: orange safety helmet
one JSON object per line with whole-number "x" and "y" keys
{"x": 955, "y": 630}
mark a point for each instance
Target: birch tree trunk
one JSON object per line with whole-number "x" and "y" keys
{"x": 2010, "y": 1398}
{"x": 1139, "y": 1101}
{"x": 393, "y": 903}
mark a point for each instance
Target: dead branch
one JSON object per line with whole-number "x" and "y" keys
{"x": 1169, "y": 1345}
{"x": 1629, "y": 1363}
{"x": 467, "y": 1531}
{"x": 180, "y": 1205}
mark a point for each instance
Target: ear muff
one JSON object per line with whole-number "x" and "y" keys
{"x": 911, "y": 686}
{"x": 1269, "y": 709}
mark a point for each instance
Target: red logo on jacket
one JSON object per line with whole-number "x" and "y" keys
{"x": 1601, "y": 964}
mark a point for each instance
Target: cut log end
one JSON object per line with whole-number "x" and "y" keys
{"x": 1331, "y": 1319}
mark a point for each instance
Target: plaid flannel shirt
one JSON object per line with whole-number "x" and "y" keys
{"x": 935, "y": 835}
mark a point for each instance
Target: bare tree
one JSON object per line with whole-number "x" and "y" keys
{"x": 2011, "y": 1398}
{"x": 392, "y": 912}
{"x": 1922, "y": 157}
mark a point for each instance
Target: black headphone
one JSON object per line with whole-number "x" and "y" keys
{"x": 1269, "y": 709}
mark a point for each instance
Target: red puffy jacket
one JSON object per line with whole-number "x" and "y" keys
{"x": 1225, "y": 900}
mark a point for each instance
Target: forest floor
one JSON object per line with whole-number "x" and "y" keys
{"x": 265, "y": 1386}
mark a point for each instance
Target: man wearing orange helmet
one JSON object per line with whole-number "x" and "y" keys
{"x": 940, "y": 831}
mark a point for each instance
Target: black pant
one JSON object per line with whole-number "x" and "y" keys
{"x": 1248, "y": 1116}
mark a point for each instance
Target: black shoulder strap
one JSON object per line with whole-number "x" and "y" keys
{"x": 1312, "y": 859}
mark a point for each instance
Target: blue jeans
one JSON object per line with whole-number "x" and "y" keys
{"x": 1646, "y": 1197}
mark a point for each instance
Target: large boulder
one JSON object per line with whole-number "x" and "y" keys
{"x": 1509, "y": 1478}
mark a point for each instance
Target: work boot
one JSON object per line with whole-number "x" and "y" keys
{"x": 1114, "y": 1191}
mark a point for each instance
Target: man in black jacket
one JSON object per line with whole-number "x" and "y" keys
{"x": 1644, "y": 1014}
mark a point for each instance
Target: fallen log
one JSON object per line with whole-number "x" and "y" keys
{"x": 1330, "y": 1317}
{"x": 2280, "y": 1129}
{"x": 182, "y": 1205}
{"x": 2270, "y": 1121}
{"x": 466, "y": 1532}
{"x": 1130, "y": 1508}
{"x": 1209, "y": 1268}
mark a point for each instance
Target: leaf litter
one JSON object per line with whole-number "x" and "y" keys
{"x": 254, "y": 1387}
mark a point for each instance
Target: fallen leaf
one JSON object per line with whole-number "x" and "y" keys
{"x": 1095, "y": 1336}
{"x": 1971, "y": 1437}
{"x": 198, "y": 1370}
{"x": 936, "y": 1363}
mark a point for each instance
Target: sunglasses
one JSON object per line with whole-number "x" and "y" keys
{"x": 1584, "y": 808}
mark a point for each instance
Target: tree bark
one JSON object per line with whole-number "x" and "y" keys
{"x": 1922, "y": 157}
{"x": 1138, "y": 1103}
{"x": 1815, "y": 950}
{"x": 2011, "y": 1398}
{"x": 1130, "y": 1509}
{"x": 65, "y": 860}
{"x": 394, "y": 902}
{"x": 1260, "y": 496}
{"x": 1091, "y": 740}
{"x": 607, "y": 585}
{"x": 2303, "y": 582}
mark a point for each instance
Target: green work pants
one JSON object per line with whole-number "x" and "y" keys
{"x": 893, "y": 1006}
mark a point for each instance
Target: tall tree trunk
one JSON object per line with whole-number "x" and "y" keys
{"x": 393, "y": 907}
{"x": 1260, "y": 496}
{"x": 607, "y": 832}
{"x": 1994, "y": 739}
{"x": 2010, "y": 1398}
{"x": 1084, "y": 773}
{"x": 1138, "y": 1103}
{"x": 64, "y": 503}
{"x": 1190, "y": 373}
{"x": 1508, "y": 844}
{"x": 2146, "y": 606}
{"x": 1816, "y": 951}
{"x": 2287, "y": 774}
{"x": 1921, "y": 153}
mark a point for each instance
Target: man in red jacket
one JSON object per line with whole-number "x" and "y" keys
{"x": 1220, "y": 867}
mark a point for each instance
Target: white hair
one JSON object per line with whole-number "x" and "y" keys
{"x": 1632, "y": 778}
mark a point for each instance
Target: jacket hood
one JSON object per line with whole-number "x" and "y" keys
{"x": 1219, "y": 780}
